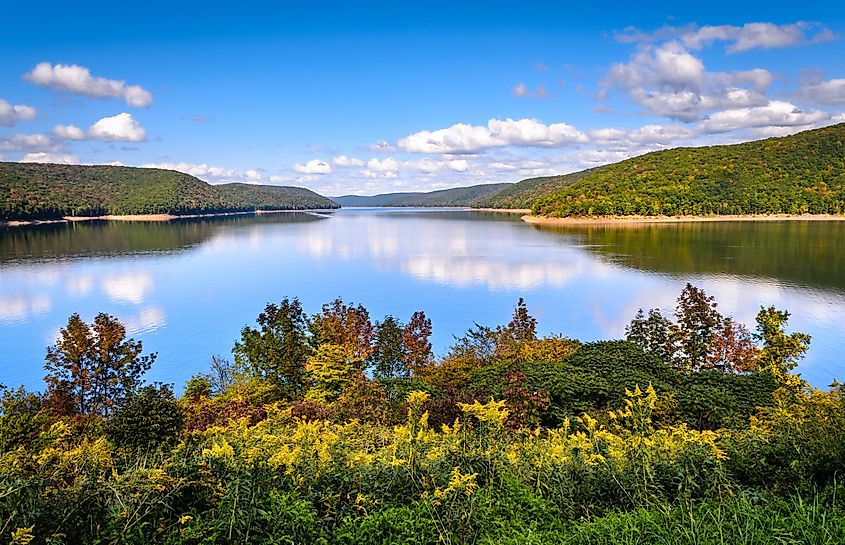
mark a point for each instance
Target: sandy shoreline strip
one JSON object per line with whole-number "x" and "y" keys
{"x": 156, "y": 217}
{"x": 641, "y": 220}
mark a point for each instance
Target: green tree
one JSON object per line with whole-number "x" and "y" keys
{"x": 652, "y": 334}
{"x": 697, "y": 321}
{"x": 146, "y": 419}
{"x": 94, "y": 367}
{"x": 780, "y": 351}
{"x": 278, "y": 349}
{"x": 389, "y": 358}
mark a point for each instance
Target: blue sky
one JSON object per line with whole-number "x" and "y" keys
{"x": 376, "y": 97}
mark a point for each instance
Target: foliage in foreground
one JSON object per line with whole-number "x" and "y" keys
{"x": 333, "y": 429}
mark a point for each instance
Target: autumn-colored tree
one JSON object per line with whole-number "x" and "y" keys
{"x": 416, "y": 341}
{"x": 277, "y": 350}
{"x": 94, "y": 367}
{"x": 525, "y": 404}
{"x": 780, "y": 351}
{"x": 732, "y": 348}
{"x": 333, "y": 368}
{"x": 344, "y": 325}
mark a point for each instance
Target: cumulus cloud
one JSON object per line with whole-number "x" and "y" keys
{"x": 830, "y": 92}
{"x": 12, "y": 113}
{"x": 119, "y": 128}
{"x": 68, "y": 132}
{"x": 78, "y": 79}
{"x": 45, "y": 157}
{"x": 253, "y": 176}
{"x": 776, "y": 113}
{"x": 314, "y": 166}
{"x": 211, "y": 174}
{"x": 648, "y": 135}
{"x": 344, "y": 162}
{"x": 463, "y": 138}
{"x": 668, "y": 81}
{"x": 757, "y": 35}
{"x": 28, "y": 143}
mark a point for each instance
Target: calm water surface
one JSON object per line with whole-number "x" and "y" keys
{"x": 187, "y": 288}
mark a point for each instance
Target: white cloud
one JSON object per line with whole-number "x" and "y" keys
{"x": 12, "y": 113}
{"x": 386, "y": 165}
{"x": 458, "y": 165}
{"x": 668, "y": 81}
{"x": 776, "y": 113}
{"x": 68, "y": 132}
{"x": 28, "y": 143}
{"x": 520, "y": 90}
{"x": 44, "y": 157}
{"x": 462, "y": 138}
{"x": 78, "y": 79}
{"x": 119, "y": 128}
{"x": 253, "y": 176}
{"x": 314, "y": 166}
{"x": 824, "y": 92}
{"x": 211, "y": 174}
{"x": 662, "y": 135}
{"x": 344, "y": 162}
{"x": 758, "y": 35}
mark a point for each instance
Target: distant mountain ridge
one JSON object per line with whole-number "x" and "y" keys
{"x": 459, "y": 196}
{"x": 797, "y": 174}
{"x": 40, "y": 191}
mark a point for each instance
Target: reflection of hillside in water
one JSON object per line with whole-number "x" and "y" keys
{"x": 102, "y": 238}
{"x": 808, "y": 254}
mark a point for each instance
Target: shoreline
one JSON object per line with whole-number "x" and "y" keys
{"x": 643, "y": 220}
{"x": 523, "y": 211}
{"x": 154, "y": 217}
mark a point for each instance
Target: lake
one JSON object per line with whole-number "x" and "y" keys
{"x": 186, "y": 288}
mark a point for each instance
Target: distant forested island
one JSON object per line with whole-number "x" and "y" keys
{"x": 33, "y": 191}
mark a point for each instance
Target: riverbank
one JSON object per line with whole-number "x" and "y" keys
{"x": 639, "y": 220}
{"x": 154, "y": 217}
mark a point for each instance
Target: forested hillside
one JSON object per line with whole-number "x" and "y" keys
{"x": 802, "y": 173}
{"x": 45, "y": 191}
{"x": 271, "y": 197}
{"x": 458, "y": 196}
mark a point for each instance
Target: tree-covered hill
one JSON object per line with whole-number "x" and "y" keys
{"x": 802, "y": 173}
{"x": 271, "y": 197}
{"x": 458, "y": 196}
{"x": 31, "y": 191}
